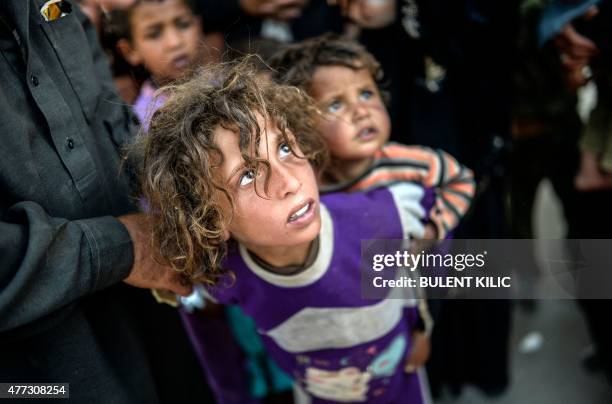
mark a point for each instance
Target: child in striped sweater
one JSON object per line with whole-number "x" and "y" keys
{"x": 342, "y": 78}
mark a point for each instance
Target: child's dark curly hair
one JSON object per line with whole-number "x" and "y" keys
{"x": 178, "y": 157}
{"x": 296, "y": 64}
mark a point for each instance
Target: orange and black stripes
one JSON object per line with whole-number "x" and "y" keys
{"x": 452, "y": 183}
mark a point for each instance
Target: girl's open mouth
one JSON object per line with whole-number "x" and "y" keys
{"x": 366, "y": 134}
{"x": 303, "y": 213}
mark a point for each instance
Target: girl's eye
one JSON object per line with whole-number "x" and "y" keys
{"x": 284, "y": 150}
{"x": 334, "y": 107}
{"x": 153, "y": 34}
{"x": 247, "y": 177}
{"x": 366, "y": 94}
{"x": 184, "y": 23}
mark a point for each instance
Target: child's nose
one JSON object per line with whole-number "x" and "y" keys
{"x": 360, "y": 112}
{"x": 285, "y": 182}
{"x": 173, "y": 38}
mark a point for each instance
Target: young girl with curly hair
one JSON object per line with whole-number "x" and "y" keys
{"x": 228, "y": 172}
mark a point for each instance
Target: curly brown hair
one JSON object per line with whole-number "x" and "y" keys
{"x": 296, "y": 64}
{"x": 178, "y": 157}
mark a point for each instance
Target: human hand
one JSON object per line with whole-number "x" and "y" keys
{"x": 146, "y": 271}
{"x": 576, "y": 49}
{"x": 576, "y": 52}
{"x": 576, "y": 78}
{"x": 276, "y": 9}
{"x": 431, "y": 233}
{"x": 421, "y": 348}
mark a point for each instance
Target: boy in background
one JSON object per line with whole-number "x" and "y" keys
{"x": 165, "y": 37}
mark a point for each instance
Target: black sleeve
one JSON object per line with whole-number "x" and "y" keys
{"x": 48, "y": 262}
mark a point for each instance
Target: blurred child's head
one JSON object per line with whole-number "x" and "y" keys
{"x": 163, "y": 35}
{"x": 231, "y": 155}
{"x": 342, "y": 78}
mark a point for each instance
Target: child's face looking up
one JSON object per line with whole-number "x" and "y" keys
{"x": 166, "y": 38}
{"x": 355, "y": 123}
{"x": 278, "y": 226}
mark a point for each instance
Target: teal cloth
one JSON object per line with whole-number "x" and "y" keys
{"x": 266, "y": 377}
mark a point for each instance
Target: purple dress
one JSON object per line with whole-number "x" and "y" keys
{"x": 338, "y": 346}
{"x": 146, "y": 103}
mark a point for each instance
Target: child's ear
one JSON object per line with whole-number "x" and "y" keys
{"x": 129, "y": 53}
{"x": 226, "y": 235}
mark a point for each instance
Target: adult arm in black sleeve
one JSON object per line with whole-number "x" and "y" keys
{"x": 48, "y": 262}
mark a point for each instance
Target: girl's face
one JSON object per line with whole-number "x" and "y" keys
{"x": 283, "y": 221}
{"x": 166, "y": 39}
{"x": 355, "y": 123}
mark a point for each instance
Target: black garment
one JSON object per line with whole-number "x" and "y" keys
{"x": 546, "y": 131}
{"x": 597, "y": 223}
{"x": 227, "y": 16}
{"x": 64, "y": 314}
{"x": 469, "y": 117}
{"x": 480, "y": 51}
{"x": 588, "y": 213}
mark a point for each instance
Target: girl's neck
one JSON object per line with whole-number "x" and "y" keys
{"x": 346, "y": 170}
{"x": 281, "y": 257}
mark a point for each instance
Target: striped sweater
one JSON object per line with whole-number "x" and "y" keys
{"x": 452, "y": 183}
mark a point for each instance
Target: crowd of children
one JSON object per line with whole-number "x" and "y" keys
{"x": 234, "y": 159}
